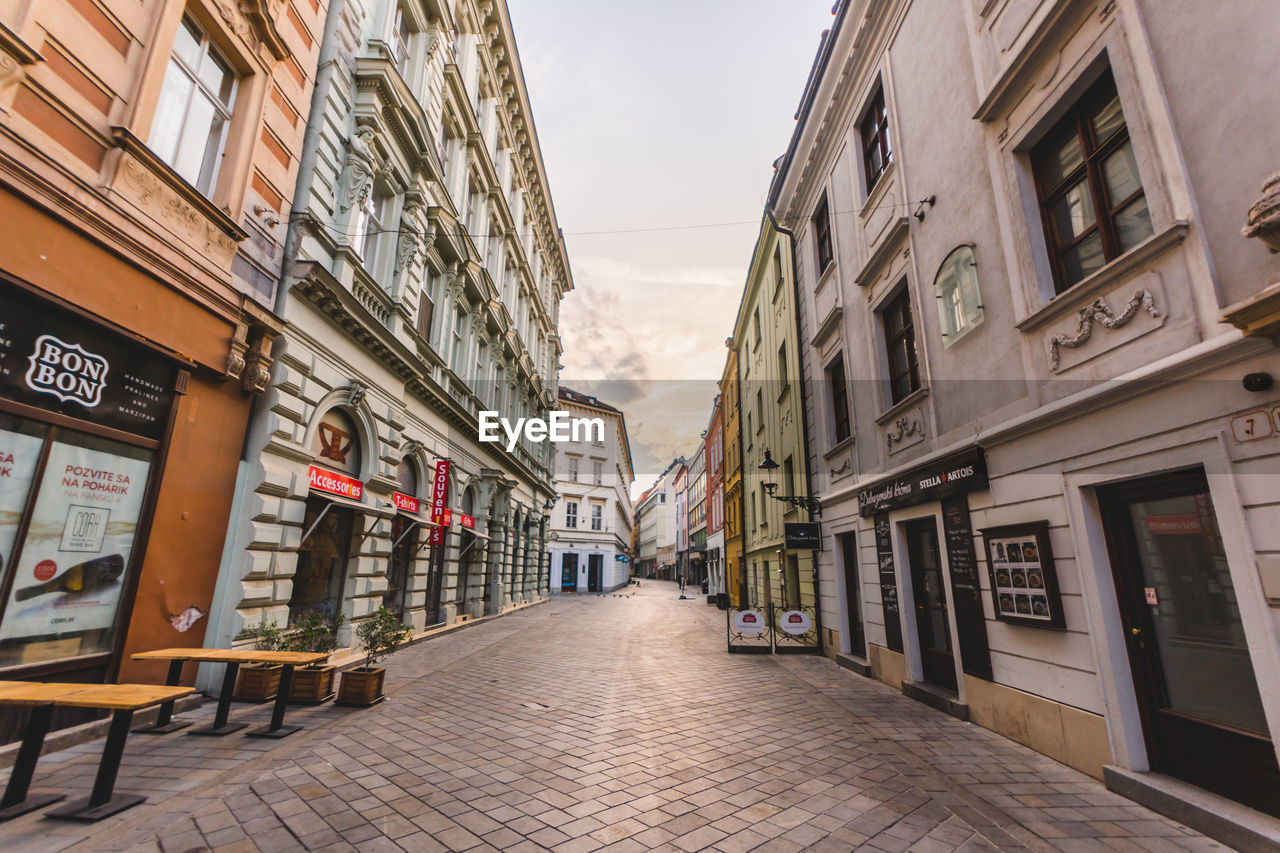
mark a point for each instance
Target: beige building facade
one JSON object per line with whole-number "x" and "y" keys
{"x": 1039, "y": 344}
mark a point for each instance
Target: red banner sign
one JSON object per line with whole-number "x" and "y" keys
{"x": 467, "y": 520}
{"x": 335, "y": 484}
{"x": 439, "y": 499}
{"x": 405, "y": 503}
{"x": 1169, "y": 524}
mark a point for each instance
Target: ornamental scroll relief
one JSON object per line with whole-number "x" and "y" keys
{"x": 1100, "y": 311}
{"x": 906, "y": 427}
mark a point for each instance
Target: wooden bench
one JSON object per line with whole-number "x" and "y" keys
{"x": 122, "y": 699}
{"x": 232, "y": 658}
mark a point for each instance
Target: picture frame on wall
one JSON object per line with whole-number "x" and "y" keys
{"x": 1024, "y": 579}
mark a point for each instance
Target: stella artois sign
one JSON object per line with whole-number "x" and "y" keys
{"x": 333, "y": 483}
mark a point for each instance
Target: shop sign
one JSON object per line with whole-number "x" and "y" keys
{"x": 888, "y": 584}
{"x": 439, "y": 497}
{"x": 468, "y": 521}
{"x": 405, "y": 503}
{"x": 955, "y": 475}
{"x": 796, "y": 623}
{"x": 802, "y": 535}
{"x": 55, "y": 360}
{"x": 749, "y": 623}
{"x": 69, "y": 577}
{"x": 335, "y": 484}
{"x": 621, "y": 558}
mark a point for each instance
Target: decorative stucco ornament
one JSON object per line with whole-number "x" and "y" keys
{"x": 1264, "y": 217}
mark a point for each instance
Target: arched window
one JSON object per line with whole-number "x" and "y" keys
{"x": 959, "y": 298}
{"x": 407, "y": 477}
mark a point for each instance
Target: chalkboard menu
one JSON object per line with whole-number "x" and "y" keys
{"x": 888, "y": 584}
{"x": 966, "y": 590}
{"x": 56, "y": 360}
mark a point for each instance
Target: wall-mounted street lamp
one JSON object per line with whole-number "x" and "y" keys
{"x": 769, "y": 470}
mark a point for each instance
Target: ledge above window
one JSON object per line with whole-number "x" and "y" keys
{"x": 883, "y": 252}
{"x": 1073, "y": 297}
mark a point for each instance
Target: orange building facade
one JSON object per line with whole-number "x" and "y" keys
{"x": 148, "y": 152}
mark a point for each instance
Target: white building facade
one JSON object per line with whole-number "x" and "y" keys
{"x": 656, "y": 516}
{"x": 591, "y": 522}
{"x": 1039, "y": 350}
{"x": 424, "y": 274}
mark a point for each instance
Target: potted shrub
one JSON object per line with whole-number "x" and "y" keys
{"x": 260, "y": 682}
{"x": 379, "y": 635}
{"x": 315, "y": 631}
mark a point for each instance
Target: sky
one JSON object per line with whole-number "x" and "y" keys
{"x": 661, "y": 120}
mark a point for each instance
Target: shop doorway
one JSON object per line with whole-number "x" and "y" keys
{"x": 322, "y": 559}
{"x": 1202, "y": 717}
{"x": 595, "y": 565}
{"x": 849, "y": 556}
{"x": 569, "y": 573}
{"x": 404, "y": 538}
{"x": 933, "y": 620}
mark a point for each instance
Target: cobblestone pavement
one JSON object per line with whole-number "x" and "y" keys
{"x": 603, "y": 723}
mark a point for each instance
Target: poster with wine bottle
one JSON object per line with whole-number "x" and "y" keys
{"x": 70, "y": 572}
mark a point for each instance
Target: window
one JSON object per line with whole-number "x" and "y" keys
{"x": 777, "y": 269}
{"x": 839, "y": 398}
{"x": 822, "y": 234}
{"x": 959, "y": 300}
{"x": 482, "y": 356}
{"x": 597, "y": 472}
{"x": 401, "y": 34}
{"x": 753, "y": 511}
{"x": 194, "y": 109}
{"x": 874, "y": 127}
{"x": 764, "y": 506}
{"x": 750, "y": 432}
{"x": 370, "y": 223}
{"x": 459, "y": 323}
{"x": 1091, "y": 196}
{"x": 573, "y": 469}
{"x": 782, "y": 367}
{"x": 426, "y": 311}
{"x": 788, "y": 476}
{"x": 597, "y": 517}
{"x": 900, "y": 346}
{"x": 571, "y": 515}
{"x": 791, "y": 582}
{"x": 760, "y": 408}
{"x": 755, "y": 327}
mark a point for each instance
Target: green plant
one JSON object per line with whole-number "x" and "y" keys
{"x": 380, "y": 635}
{"x": 267, "y": 636}
{"x": 313, "y": 632}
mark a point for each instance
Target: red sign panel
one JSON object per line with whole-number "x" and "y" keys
{"x": 405, "y": 503}
{"x": 335, "y": 484}
{"x": 1168, "y": 524}
{"x": 439, "y": 497}
{"x": 467, "y": 520}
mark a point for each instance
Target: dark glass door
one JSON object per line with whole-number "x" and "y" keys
{"x": 1201, "y": 712}
{"x": 933, "y": 621}
{"x": 569, "y": 573}
{"x": 595, "y": 565}
{"x": 322, "y": 558}
{"x": 849, "y": 555}
{"x": 404, "y": 541}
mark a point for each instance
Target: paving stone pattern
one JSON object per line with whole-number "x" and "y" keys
{"x": 611, "y": 723}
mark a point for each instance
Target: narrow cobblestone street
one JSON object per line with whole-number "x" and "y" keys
{"x": 613, "y": 723}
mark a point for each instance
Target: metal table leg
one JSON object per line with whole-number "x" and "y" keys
{"x": 220, "y": 725}
{"x": 16, "y": 802}
{"x": 102, "y": 803}
{"x": 164, "y": 719}
{"x": 278, "y": 729}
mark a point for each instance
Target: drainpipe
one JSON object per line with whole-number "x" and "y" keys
{"x": 804, "y": 415}
{"x": 221, "y": 610}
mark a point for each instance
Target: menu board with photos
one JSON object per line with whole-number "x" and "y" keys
{"x": 1024, "y": 582}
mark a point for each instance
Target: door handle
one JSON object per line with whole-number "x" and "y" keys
{"x": 1137, "y": 632}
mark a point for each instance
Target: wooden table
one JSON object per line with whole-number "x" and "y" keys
{"x": 232, "y": 658}
{"x": 122, "y": 699}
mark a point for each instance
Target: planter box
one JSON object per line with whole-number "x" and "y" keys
{"x": 312, "y": 685}
{"x": 258, "y": 683}
{"x": 360, "y": 686}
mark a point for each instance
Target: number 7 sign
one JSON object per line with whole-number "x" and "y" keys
{"x": 1253, "y": 425}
